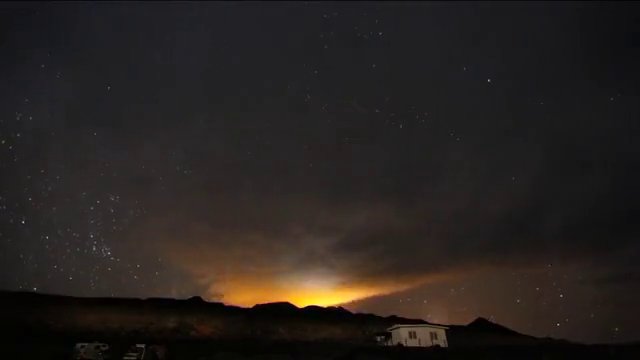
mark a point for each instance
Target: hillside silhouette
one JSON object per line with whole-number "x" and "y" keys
{"x": 195, "y": 318}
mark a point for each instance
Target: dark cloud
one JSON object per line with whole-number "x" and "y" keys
{"x": 620, "y": 279}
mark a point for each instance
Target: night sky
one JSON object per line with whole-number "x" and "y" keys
{"x": 440, "y": 161}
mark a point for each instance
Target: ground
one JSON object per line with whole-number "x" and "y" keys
{"x": 61, "y": 348}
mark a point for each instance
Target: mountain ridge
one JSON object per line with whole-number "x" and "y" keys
{"x": 197, "y": 318}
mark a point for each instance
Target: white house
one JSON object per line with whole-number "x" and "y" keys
{"x": 418, "y": 335}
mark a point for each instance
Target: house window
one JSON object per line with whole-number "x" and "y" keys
{"x": 433, "y": 335}
{"x": 413, "y": 335}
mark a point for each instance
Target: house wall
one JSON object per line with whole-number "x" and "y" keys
{"x": 401, "y": 335}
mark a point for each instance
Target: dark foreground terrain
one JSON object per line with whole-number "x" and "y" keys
{"x": 37, "y": 326}
{"x": 60, "y": 348}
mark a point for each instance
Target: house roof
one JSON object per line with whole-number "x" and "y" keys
{"x": 416, "y": 326}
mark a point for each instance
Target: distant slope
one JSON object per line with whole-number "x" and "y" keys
{"x": 484, "y": 325}
{"x": 482, "y": 332}
{"x": 158, "y": 318}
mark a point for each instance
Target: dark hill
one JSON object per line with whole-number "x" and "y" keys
{"x": 482, "y": 324}
{"x": 195, "y": 318}
{"x": 280, "y": 308}
{"x": 482, "y": 332}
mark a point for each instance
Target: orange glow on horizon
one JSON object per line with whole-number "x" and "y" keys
{"x": 243, "y": 295}
{"x": 248, "y": 292}
{"x": 266, "y": 282}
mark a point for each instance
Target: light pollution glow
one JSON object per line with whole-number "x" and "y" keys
{"x": 248, "y": 292}
{"x": 304, "y": 289}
